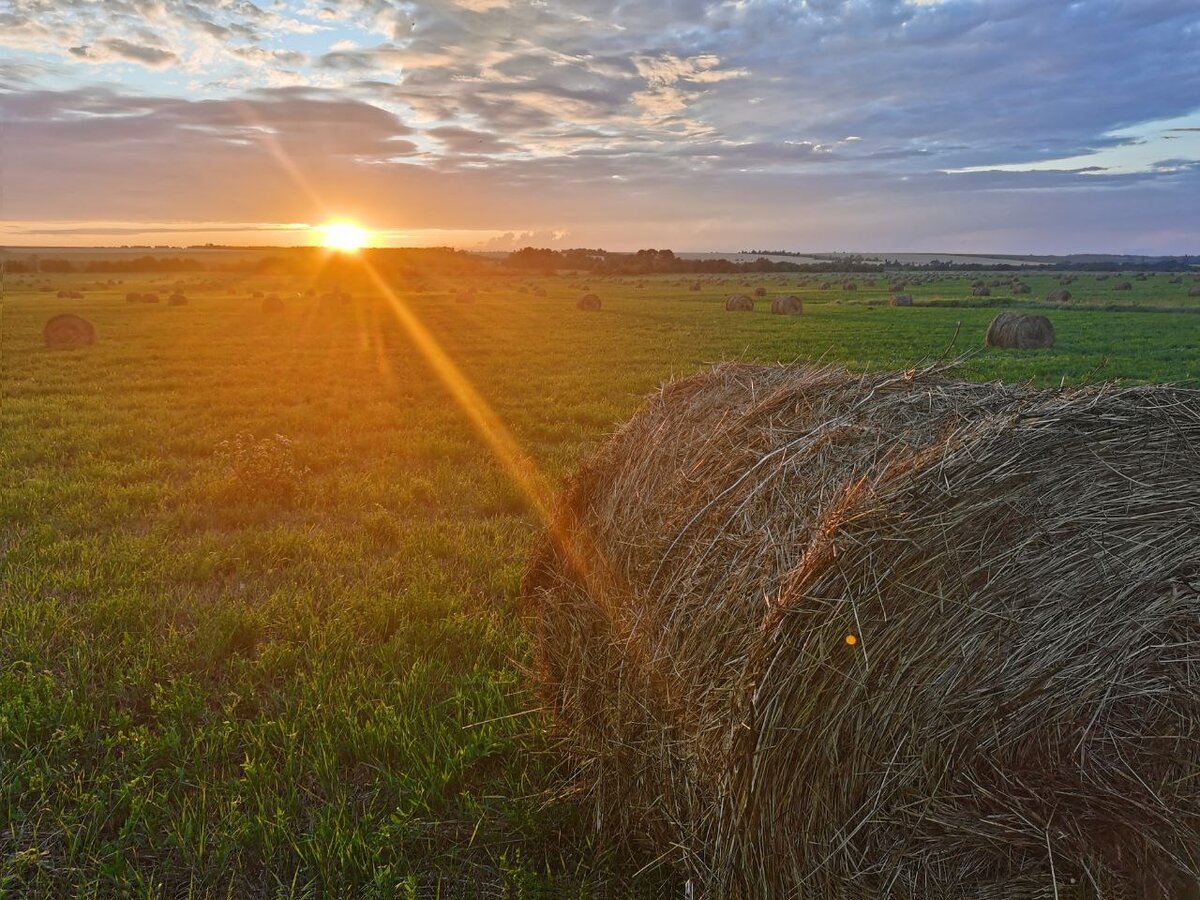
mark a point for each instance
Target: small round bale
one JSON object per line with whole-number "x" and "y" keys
{"x": 1123, "y": 286}
{"x": 177, "y": 299}
{"x": 589, "y": 303}
{"x": 1061, "y": 296}
{"x": 849, "y": 286}
{"x": 900, "y": 300}
{"x": 739, "y": 303}
{"x": 1020, "y": 287}
{"x": 133, "y": 297}
{"x": 789, "y": 305}
{"x": 1194, "y": 292}
{"x": 68, "y": 332}
{"x": 1017, "y": 331}
{"x": 760, "y": 292}
{"x": 982, "y": 291}
{"x": 150, "y": 298}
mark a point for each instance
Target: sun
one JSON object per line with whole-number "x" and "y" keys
{"x": 343, "y": 236}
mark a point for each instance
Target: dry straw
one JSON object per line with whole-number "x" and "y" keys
{"x": 807, "y": 633}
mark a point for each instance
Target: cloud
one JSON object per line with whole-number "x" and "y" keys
{"x": 639, "y": 113}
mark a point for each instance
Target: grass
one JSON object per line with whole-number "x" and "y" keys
{"x": 301, "y": 674}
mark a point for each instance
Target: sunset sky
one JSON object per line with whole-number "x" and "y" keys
{"x": 1030, "y": 126}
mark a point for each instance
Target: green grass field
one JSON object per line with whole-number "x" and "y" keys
{"x": 301, "y": 674}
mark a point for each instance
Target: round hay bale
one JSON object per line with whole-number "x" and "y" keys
{"x": 133, "y": 297}
{"x": 1019, "y": 332}
{"x": 883, "y": 635}
{"x": 1123, "y": 286}
{"x": 849, "y": 286}
{"x": 789, "y": 305}
{"x": 982, "y": 292}
{"x": 68, "y": 332}
{"x": 177, "y": 299}
{"x": 589, "y": 302}
{"x": 900, "y": 300}
{"x": 1021, "y": 288}
{"x": 739, "y": 303}
{"x": 272, "y": 304}
{"x": 760, "y": 292}
{"x": 1061, "y": 296}
{"x": 1194, "y": 292}
{"x": 150, "y": 298}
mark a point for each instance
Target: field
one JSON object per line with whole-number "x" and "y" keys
{"x": 294, "y": 667}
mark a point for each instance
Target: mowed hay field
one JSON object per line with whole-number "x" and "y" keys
{"x": 258, "y": 631}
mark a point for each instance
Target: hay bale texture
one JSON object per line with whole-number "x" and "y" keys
{"x": 739, "y": 303}
{"x": 790, "y": 305}
{"x": 589, "y": 302}
{"x": 68, "y": 332}
{"x": 813, "y": 634}
{"x": 1020, "y": 332}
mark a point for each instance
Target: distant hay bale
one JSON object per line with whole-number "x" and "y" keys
{"x": 177, "y": 299}
{"x": 1019, "y": 332}
{"x": 739, "y": 303}
{"x": 589, "y": 302}
{"x": 849, "y": 286}
{"x": 789, "y": 305}
{"x": 806, "y": 633}
{"x": 1019, "y": 287}
{"x": 982, "y": 292}
{"x": 826, "y": 285}
{"x": 760, "y": 292}
{"x": 1123, "y": 286}
{"x": 900, "y": 300}
{"x": 897, "y": 286}
{"x": 150, "y": 298}
{"x": 1060, "y": 296}
{"x": 68, "y": 332}
{"x": 133, "y": 297}
{"x": 1194, "y": 292}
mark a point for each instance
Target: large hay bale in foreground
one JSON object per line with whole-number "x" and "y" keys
{"x": 790, "y": 305}
{"x": 739, "y": 303}
{"x": 589, "y": 302}
{"x": 1020, "y": 332}
{"x": 807, "y": 633}
{"x": 68, "y": 332}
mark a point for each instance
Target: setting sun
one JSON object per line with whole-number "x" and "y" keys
{"x": 343, "y": 236}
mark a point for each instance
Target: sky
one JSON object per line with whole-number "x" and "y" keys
{"x": 1018, "y": 126}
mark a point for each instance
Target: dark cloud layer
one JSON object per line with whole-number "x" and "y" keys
{"x": 855, "y": 123}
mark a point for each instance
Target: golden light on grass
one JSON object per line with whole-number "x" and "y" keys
{"x": 343, "y": 236}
